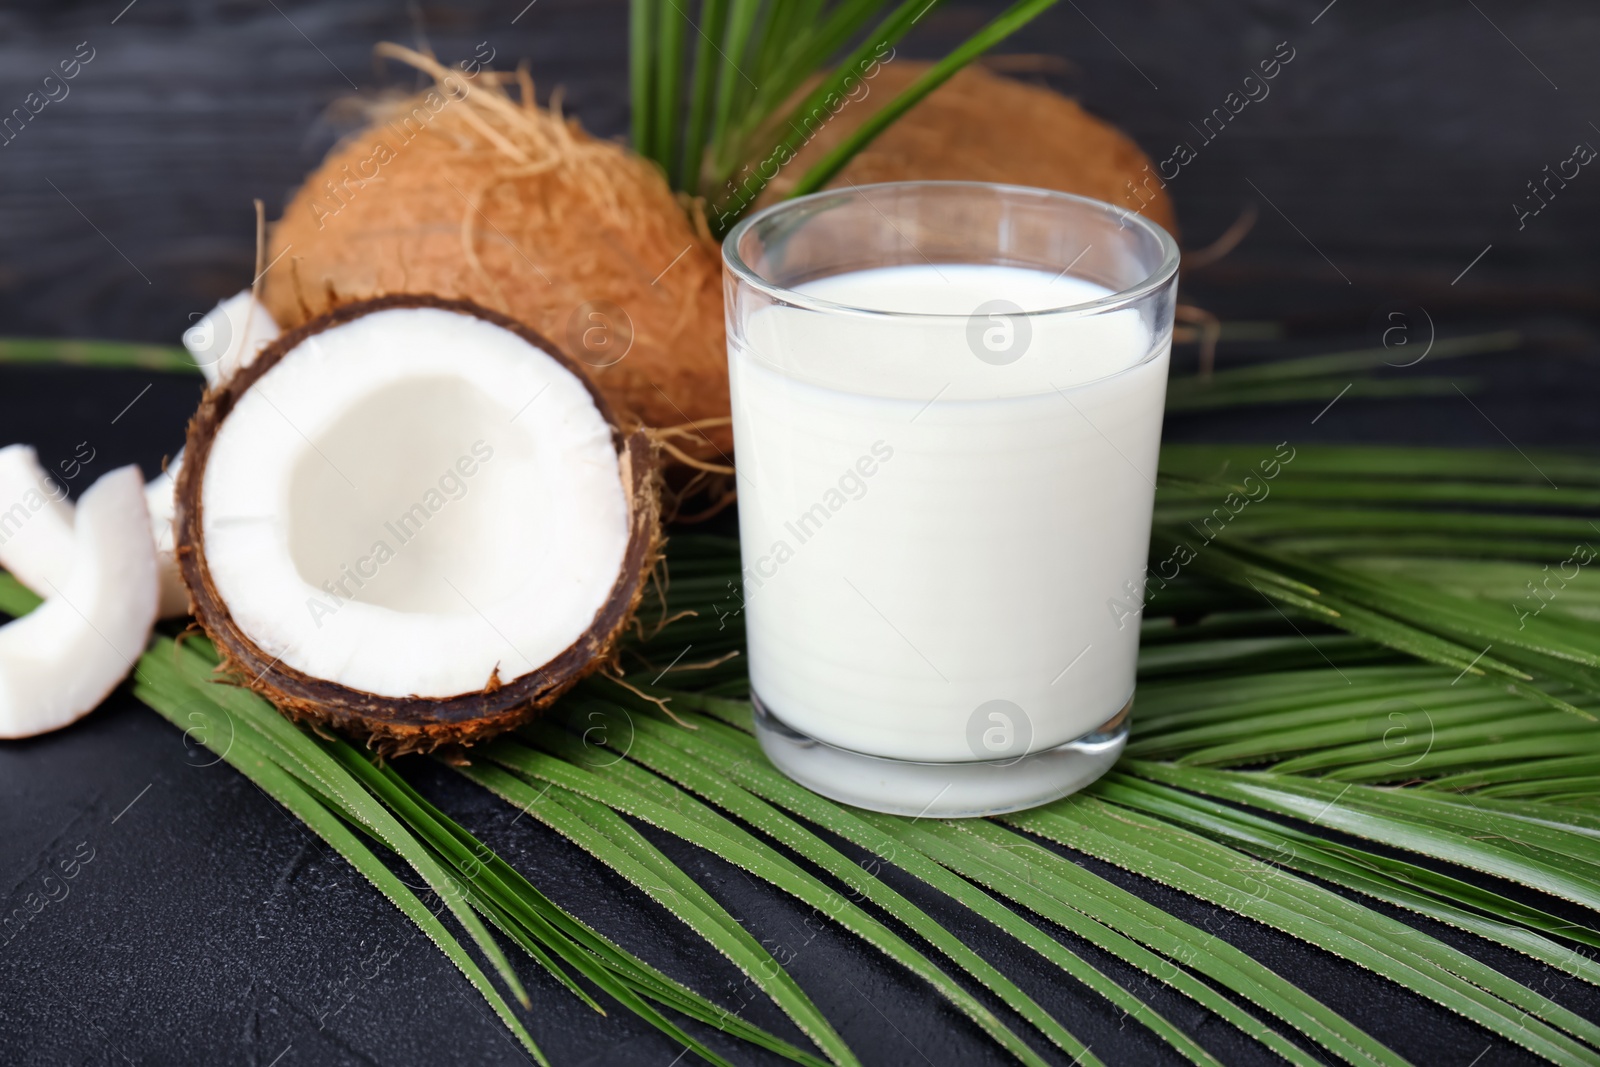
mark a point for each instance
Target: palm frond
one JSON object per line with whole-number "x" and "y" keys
{"x": 338, "y": 791}
{"x": 717, "y": 86}
{"x": 1364, "y": 687}
{"x": 1260, "y": 729}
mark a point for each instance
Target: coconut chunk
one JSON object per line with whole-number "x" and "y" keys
{"x": 415, "y": 518}
{"x": 35, "y": 522}
{"x": 58, "y": 662}
{"x": 36, "y": 528}
{"x": 158, "y": 499}
{"x": 230, "y": 336}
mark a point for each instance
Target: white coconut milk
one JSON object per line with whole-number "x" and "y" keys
{"x": 937, "y": 514}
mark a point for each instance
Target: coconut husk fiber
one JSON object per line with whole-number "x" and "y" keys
{"x": 981, "y": 126}
{"x": 463, "y": 192}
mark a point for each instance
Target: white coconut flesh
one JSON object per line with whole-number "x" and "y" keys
{"x": 158, "y": 499}
{"x": 230, "y": 336}
{"x": 414, "y": 503}
{"x": 37, "y": 520}
{"x": 58, "y": 662}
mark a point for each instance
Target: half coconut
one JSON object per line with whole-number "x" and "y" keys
{"x": 414, "y": 519}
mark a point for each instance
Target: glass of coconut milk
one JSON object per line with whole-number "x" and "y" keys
{"x": 947, "y": 403}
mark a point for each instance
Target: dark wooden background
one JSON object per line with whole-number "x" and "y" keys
{"x": 1396, "y": 141}
{"x": 209, "y": 928}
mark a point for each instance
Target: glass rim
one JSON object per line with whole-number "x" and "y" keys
{"x": 1155, "y": 280}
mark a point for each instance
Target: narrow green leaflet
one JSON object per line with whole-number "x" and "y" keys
{"x": 1055, "y": 884}
{"x": 16, "y": 599}
{"x": 1304, "y": 378}
{"x": 1272, "y": 896}
{"x": 788, "y": 877}
{"x": 736, "y": 758}
{"x": 1402, "y": 819}
{"x": 185, "y": 707}
{"x": 1460, "y": 904}
{"x": 725, "y": 92}
{"x": 317, "y": 769}
{"x": 1063, "y": 907}
{"x": 113, "y": 355}
{"x": 1002, "y": 26}
{"x": 477, "y": 877}
{"x": 610, "y": 839}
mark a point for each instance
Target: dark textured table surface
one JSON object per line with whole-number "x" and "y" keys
{"x": 209, "y": 927}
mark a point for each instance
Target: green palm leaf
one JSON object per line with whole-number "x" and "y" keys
{"x": 1339, "y": 703}
{"x": 716, "y": 85}
{"x": 1304, "y": 910}
{"x": 737, "y": 847}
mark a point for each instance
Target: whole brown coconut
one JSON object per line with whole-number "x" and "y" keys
{"x": 396, "y": 725}
{"x": 463, "y": 193}
{"x": 980, "y": 126}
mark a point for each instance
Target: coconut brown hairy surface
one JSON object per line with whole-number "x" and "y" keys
{"x": 981, "y": 126}
{"x": 401, "y": 723}
{"x": 464, "y": 192}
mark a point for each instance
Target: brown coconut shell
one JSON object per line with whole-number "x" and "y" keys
{"x": 399, "y": 725}
{"x": 464, "y": 193}
{"x": 981, "y": 126}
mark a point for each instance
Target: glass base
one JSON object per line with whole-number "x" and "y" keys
{"x": 941, "y": 790}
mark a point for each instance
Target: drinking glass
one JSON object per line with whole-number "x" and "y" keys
{"x": 947, "y": 402}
